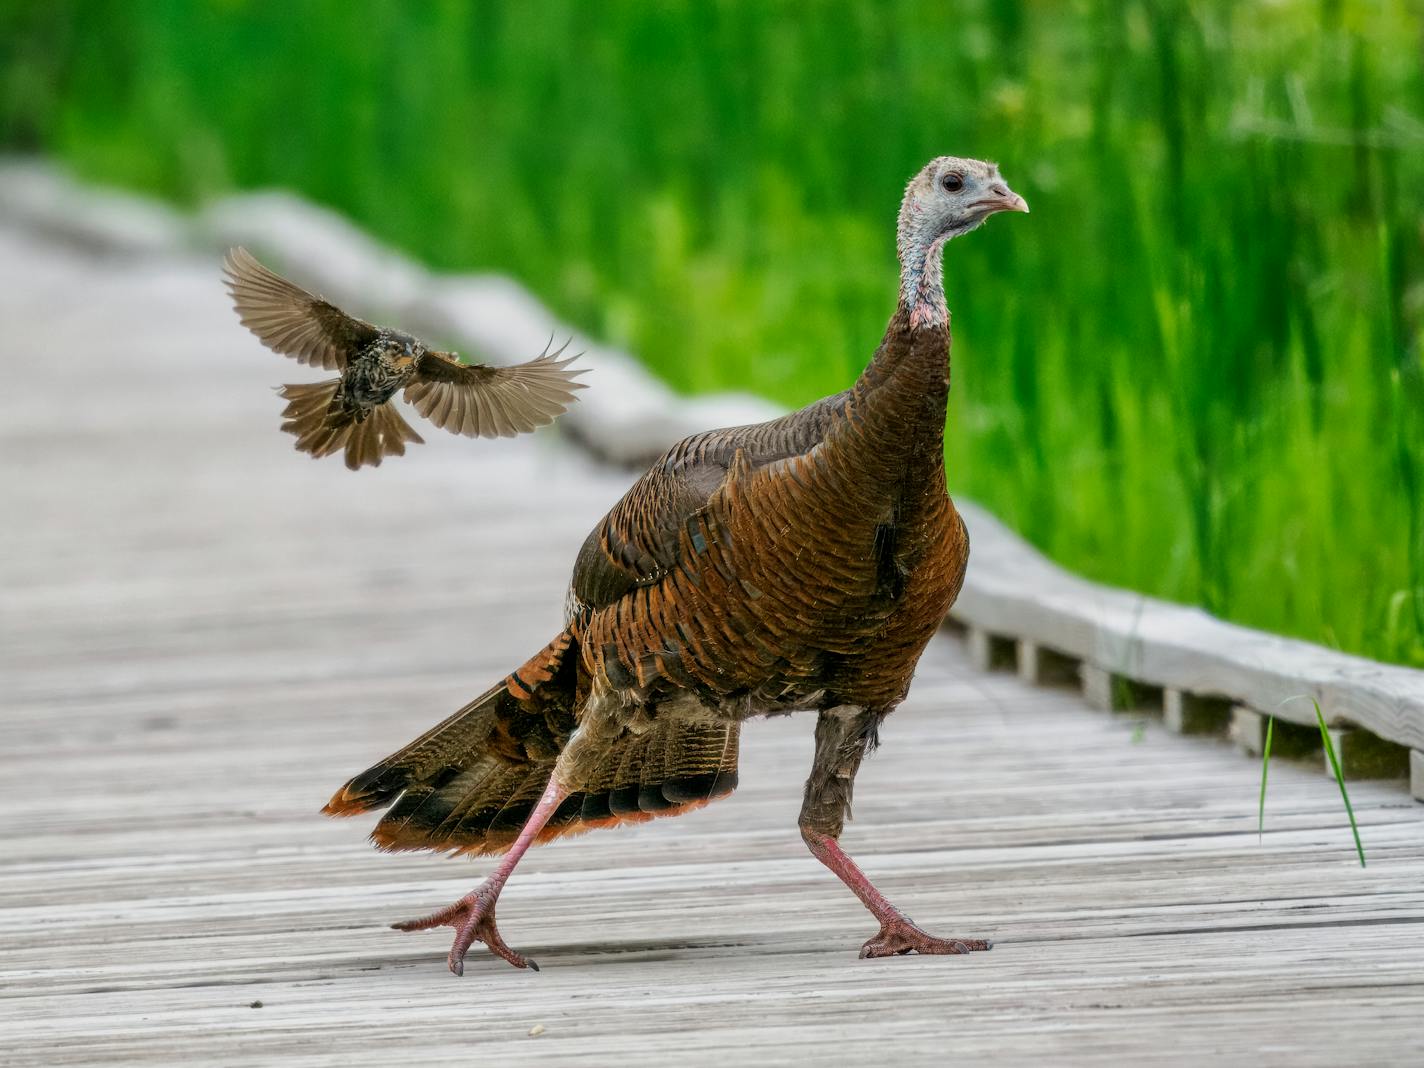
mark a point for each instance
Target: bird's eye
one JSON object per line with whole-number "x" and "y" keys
{"x": 952, "y": 183}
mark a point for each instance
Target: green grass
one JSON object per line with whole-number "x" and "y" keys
{"x": 1265, "y": 767}
{"x": 1195, "y": 369}
{"x": 1340, "y": 781}
{"x": 1334, "y": 760}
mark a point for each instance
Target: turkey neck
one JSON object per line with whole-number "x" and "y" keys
{"x": 897, "y": 406}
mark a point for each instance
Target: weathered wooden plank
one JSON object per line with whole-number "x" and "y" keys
{"x": 1011, "y": 589}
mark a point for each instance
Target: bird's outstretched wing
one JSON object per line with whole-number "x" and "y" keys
{"x": 288, "y": 319}
{"x": 492, "y": 402}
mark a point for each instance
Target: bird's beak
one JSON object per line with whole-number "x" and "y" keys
{"x": 1003, "y": 199}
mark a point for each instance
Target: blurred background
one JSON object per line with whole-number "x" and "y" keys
{"x": 1197, "y": 369}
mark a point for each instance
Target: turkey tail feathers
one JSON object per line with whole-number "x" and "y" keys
{"x": 480, "y": 810}
{"x": 469, "y": 784}
{"x": 428, "y": 759}
{"x": 323, "y": 426}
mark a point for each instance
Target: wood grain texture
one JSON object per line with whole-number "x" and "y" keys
{"x": 204, "y": 634}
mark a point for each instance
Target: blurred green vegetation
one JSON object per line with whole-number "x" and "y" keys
{"x": 1196, "y": 369}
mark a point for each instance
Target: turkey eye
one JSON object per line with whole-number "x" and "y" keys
{"x": 952, "y": 183}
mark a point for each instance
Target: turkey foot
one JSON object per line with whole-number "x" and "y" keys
{"x": 899, "y": 935}
{"x": 473, "y": 919}
{"x": 473, "y": 915}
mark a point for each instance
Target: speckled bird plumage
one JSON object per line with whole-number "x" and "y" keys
{"x": 797, "y": 564}
{"x": 355, "y": 413}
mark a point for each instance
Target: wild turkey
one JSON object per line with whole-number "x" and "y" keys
{"x": 354, "y": 412}
{"x": 801, "y": 563}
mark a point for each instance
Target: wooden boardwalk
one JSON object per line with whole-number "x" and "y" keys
{"x": 204, "y": 634}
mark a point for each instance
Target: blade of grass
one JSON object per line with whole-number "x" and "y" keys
{"x": 1339, "y": 779}
{"x": 1265, "y": 765}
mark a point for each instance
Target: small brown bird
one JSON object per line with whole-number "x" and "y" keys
{"x": 802, "y": 563}
{"x": 354, "y": 412}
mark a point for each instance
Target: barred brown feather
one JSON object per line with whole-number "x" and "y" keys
{"x": 288, "y": 319}
{"x": 355, "y": 413}
{"x": 322, "y": 426}
{"x": 492, "y": 402}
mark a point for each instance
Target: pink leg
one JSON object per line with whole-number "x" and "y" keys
{"x": 898, "y": 933}
{"x": 473, "y": 915}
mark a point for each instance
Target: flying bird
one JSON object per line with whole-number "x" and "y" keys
{"x": 355, "y": 412}
{"x": 798, "y": 564}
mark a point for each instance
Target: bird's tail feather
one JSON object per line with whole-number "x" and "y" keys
{"x": 480, "y": 807}
{"x": 425, "y": 763}
{"x": 322, "y": 425}
{"x": 469, "y": 784}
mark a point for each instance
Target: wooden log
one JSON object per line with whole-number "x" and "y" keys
{"x": 1109, "y": 691}
{"x": 1193, "y": 713}
{"x": 990, "y": 652}
{"x": 1416, "y": 774}
{"x": 1363, "y": 755}
{"x": 1043, "y": 666}
{"x": 1011, "y": 588}
{"x": 1292, "y": 740}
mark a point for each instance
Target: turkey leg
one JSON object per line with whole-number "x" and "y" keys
{"x": 473, "y": 915}
{"x": 843, "y": 736}
{"x": 898, "y": 933}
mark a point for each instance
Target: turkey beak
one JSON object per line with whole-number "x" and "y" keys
{"x": 1002, "y": 198}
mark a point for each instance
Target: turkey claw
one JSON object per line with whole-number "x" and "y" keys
{"x": 473, "y": 919}
{"x": 898, "y": 937}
